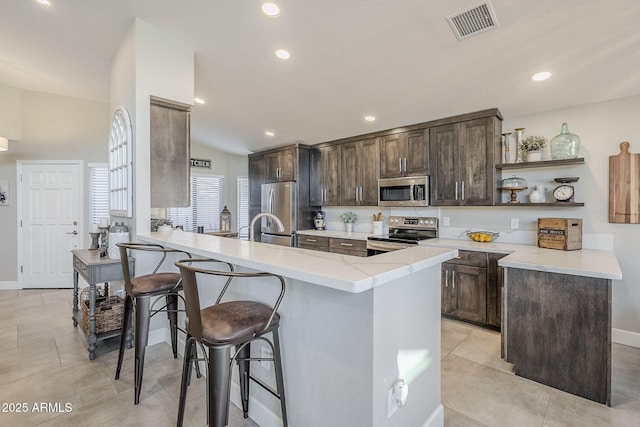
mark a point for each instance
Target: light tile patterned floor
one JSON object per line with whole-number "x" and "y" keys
{"x": 44, "y": 359}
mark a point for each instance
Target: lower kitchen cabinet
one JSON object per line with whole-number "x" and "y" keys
{"x": 313, "y": 242}
{"x": 348, "y": 246}
{"x": 472, "y": 288}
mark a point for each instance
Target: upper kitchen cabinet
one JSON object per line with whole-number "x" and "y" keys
{"x": 359, "y": 184}
{"x": 324, "y": 169}
{"x": 170, "y": 148}
{"x": 256, "y": 178}
{"x": 462, "y": 158}
{"x": 404, "y": 154}
{"x": 281, "y": 165}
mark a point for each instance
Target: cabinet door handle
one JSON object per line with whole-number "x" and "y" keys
{"x": 324, "y": 195}
{"x": 446, "y": 278}
{"x": 456, "y": 190}
{"x": 311, "y": 240}
{"x": 453, "y": 280}
{"x": 346, "y": 244}
{"x": 360, "y": 193}
{"x": 462, "y": 190}
{"x": 400, "y": 164}
{"x": 405, "y": 165}
{"x": 356, "y": 194}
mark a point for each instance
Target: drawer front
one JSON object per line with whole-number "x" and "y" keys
{"x": 81, "y": 268}
{"x": 474, "y": 258}
{"x": 348, "y": 246}
{"x": 313, "y": 242}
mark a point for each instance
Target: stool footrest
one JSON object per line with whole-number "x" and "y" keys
{"x": 264, "y": 386}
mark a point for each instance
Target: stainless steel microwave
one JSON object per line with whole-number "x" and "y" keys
{"x": 409, "y": 191}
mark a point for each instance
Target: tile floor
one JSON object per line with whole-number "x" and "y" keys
{"x": 44, "y": 359}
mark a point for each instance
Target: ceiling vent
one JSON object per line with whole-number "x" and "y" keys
{"x": 473, "y": 20}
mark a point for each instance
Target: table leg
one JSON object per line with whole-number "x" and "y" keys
{"x": 75, "y": 298}
{"x": 92, "y": 321}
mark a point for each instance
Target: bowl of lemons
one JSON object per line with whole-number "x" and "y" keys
{"x": 482, "y": 236}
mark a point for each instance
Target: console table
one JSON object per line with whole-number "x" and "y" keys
{"x": 93, "y": 269}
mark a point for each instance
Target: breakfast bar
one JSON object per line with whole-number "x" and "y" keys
{"x": 351, "y": 329}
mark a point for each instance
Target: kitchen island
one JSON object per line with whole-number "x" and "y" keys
{"x": 351, "y": 327}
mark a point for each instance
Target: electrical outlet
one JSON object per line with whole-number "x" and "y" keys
{"x": 515, "y": 223}
{"x": 445, "y": 221}
{"x": 266, "y": 353}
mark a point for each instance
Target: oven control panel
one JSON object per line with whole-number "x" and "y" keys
{"x": 415, "y": 222}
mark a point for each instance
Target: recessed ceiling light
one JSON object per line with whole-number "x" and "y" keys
{"x": 542, "y": 75}
{"x": 271, "y": 9}
{"x": 269, "y": 133}
{"x": 198, "y": 100}
{"x": 370, "y": 118}
{"x": 282, "y": 54}
{"x": 44, "y": 2}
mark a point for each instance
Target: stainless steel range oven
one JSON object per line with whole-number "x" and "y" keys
{"x": 404, "y": 232}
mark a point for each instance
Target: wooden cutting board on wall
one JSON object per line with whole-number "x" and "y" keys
{"x": 624, "y": 187}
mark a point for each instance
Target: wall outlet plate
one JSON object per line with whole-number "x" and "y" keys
{"x": 515, "y": 223}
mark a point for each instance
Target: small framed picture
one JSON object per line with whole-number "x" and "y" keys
{"x": 4, "y": 192}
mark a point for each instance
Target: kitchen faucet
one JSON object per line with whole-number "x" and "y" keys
{"x": 268, "y": 215}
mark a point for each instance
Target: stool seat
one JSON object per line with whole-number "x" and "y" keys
{"x": 150, "y": 284}
{"x": 229, "y": 322}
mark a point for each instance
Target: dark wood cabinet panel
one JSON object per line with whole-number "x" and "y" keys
{"x": 494, "y": 290}
{"x": 359, "y": 173}
{"x": 256, "y": 178}
{"x": 325, "y": 168}
{"x": 467, "y": 290}
{"x": 316, "y": 243}
{"x": 558, "y": 331}
{"x": 170, "y": 147}
{"x": 348, "y": 246}
{"x": 404, "y": 154}
{"x": 281, "y": 166}
{"x": 462, "y": 162}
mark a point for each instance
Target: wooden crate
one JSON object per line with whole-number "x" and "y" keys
{"x": 560, "y": 233}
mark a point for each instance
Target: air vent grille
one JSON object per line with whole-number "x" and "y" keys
{"x": 473, "y": 20}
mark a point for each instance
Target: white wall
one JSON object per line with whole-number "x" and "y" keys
{"x": 51, "y": 127}
{"x": 601, "y": 127}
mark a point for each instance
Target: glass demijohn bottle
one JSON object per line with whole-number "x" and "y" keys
{"x": 566, "y": 145}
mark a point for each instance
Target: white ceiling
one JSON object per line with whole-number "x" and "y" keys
{"x": 396, "y": 59}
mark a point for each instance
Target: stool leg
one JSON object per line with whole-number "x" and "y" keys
{"x": 243, "y": 366}
{"x": 141, "y": 337}
{"x": 219, "y": 374}
{"x": 277, "y": 362}
{"x": 128, "y": 306}
{"x": 186, "y": 374}
{"x": 172, "y": 313}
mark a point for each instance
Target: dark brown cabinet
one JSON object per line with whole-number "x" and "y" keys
{"x": 348, "y": 246}
{"x": 256, "y": 178}
{"x": 464, "y": 287}
{"x": 281, "y": 166}
{"x": 359, "y": 183}
{"x": 316, "y": 243}
{"x": 404, "y": 154}
{"x": 472, "y": 288}
{"x": 462, "y": 160}
{"x": 325, "y": 175}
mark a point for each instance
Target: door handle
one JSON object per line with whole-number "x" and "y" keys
{"x": 405, "y": 164}
{"x": 74, "y": 232}
{"x": 356, "y": 194}
{"x": 453, "y": 280}
{"x": 347, "y": 244}
{"x": 456, "y": 190}
{"x": 400, "y": 164}
{"x": 360, "y": 193}
{"x": 446, "y": 278}
{"x": 462, "y": 190}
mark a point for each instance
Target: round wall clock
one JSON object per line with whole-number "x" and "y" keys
{"x": 565, "y": 191}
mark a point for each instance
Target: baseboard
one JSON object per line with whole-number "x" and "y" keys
{"x": 620, "y": 336}
{"x": 9, "y": 286}
{"x": 436, "y": 419}
{"x": 257, "y": 411}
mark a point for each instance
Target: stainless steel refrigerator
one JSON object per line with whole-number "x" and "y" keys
{"x": 280, "y": 199}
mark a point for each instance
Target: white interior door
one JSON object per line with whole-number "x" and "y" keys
{"x": 50, "y": 215}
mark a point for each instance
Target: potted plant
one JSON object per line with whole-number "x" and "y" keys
{"x": 348, "y": 218}
{"x": 531, "y": 146}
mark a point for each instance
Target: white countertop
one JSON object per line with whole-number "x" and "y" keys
{"x": 343, "y": 272}
{"x": 585, "y": 262}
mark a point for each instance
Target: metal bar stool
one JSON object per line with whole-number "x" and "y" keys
{"x": 219, "y": 328}
{"x": 139, "y": 292}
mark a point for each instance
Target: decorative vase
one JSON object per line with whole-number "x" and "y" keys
{"x": 565, "y": 145}
{"x": 518, "y": 141}
{"x": 534, "y": 156}
{"x": 348, "y": 226}
{"x": 535, "y": 197}
{"x": 505, "y": 144}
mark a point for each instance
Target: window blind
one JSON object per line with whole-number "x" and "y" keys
{"x": 243, "y": 205}
{"x": 98, "y": 192}
{"x": 205, "y": 204}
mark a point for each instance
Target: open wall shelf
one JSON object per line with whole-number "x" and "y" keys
{"x": 542, "y": 164}
{"x": 546, "y": 205}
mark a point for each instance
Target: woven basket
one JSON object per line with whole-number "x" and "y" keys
{"x": 109, "y": 311}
